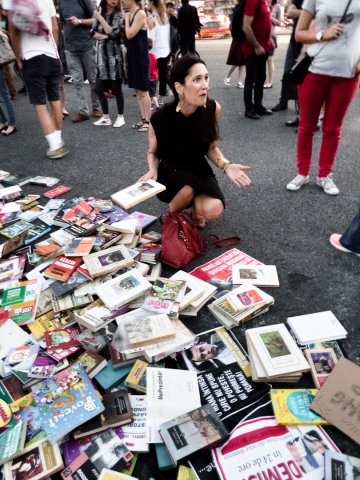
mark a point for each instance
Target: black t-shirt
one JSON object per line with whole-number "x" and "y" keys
{"x": 298, "y": 5}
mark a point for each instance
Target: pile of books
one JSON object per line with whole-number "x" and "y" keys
{"x": 102, "y": 376}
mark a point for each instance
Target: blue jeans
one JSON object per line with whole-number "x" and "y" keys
{"x": 7, "y": 112}
{"x": 350, "y": 239}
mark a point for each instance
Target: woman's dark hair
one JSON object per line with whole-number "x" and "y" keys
{"x": 179, "y": 71}
{"x": 104, "y": 5}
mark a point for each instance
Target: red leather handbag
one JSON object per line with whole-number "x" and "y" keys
{"x": 181, "y": 242}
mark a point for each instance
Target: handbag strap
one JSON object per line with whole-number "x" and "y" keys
{"x": 224, "y": 242}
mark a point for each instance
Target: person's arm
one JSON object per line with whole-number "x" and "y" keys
{"x": 234, "y": 171}
{"x": 152, "y": 158}
{"x": 250, "y": 37}
{"x": 293, "y": 12}
{"x": 55, "y": 30}
{"x": 107, "y": 28}
{"x": 15, "y": 40}
{"x": 138, "y": 23}
{"x": 306, "y": 35}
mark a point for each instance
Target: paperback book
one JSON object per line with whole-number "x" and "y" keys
{"x": 122, "y": 289}
{"x": 107, "y": 261}
{"x": 91, "y": 362}
{"x": 12, "y": 442}
{"x": 63, "y": 268}
{"x": 259, "y": 275}
{"x": 316, "y": 327}
{"x": 62, "y": 338}
{"x": 66, "y": 401}
{"x": 292, "y": 406}
{"x": 192, "y": 432}
{"x": 137, "y": 376}
{"x": 20, "y": 301}
{"x": 135, "y": 436}
{"x": 137, "y": 193}
{"x": 322, "y": 363}
{"x": 144, "y": 219}
{"x": 245, "y": 296}
{"x": 118, "y": 411}
{"x": 163, "y": 294}
{"x": 80, "y": 247}
{"x": 339, "y": 466}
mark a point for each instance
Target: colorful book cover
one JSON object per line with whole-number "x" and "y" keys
{"x": 12, "y": 441}
{"x": 62, "y": 338}
{"x": 144, "y": 219}
{"x": 21, "y": 301}
{"x": 66, "y": 401}
{"x": 26, "y": 410}
{"x": 57, "y": 192}
{"x": 292, "y": 406}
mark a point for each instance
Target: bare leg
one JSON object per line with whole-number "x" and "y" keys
{"x": 56, "y": 109}
{"x": 231, "y": 69}
{"x": 270, "y": 67}
{"x": 182, "y": 199}
{"x": 206, "y": 208}
{"x": 144, "y": 102}
{"x": 45, "y": 119}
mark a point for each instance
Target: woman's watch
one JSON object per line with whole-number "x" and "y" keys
{"x": 319, "y": 36}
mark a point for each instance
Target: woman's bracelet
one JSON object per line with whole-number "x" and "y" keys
{"x": 222, "y": 163}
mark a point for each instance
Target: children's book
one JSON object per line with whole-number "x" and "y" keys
{"x": 137, "y": 193}
{"x": 194, "y": 431}
{"x": 62, "y": 338}
{"x": 66, "y": 401}
{"x": 292, "y": 406}
{"x": 26, "y": 410}
{"x": 118, "y": 411}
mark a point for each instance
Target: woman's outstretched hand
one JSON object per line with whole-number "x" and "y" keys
{"x": 150, "y": 175}
{"x": 237, "y": 174}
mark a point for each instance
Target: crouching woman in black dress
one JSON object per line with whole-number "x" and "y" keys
{"x": 183, "y": 138}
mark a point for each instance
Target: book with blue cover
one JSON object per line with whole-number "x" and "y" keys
{"x": 66, "y": 401}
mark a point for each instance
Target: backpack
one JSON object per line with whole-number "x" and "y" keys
{"x": 236, "y": 27}
{"x": 26, "y": 18}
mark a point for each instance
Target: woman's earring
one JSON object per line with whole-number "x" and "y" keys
{"x": 181, "y": 101}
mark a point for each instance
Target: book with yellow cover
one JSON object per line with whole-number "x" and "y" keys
{"x": 112, "y": 475}
{"x": 291, "y": 406}
{"x": 137, "y": 376}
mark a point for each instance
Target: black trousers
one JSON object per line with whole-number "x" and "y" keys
{"x": 162, "y": 64}
{"x": 103, "y": 86}
{"x": 254, "y": 82}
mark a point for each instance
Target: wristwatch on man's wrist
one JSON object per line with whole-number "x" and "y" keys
{"x": 80, "y": 21}
{"x": 319, "y": 36}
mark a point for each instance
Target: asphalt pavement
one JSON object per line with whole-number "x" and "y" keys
{"x": 287, "y": 229}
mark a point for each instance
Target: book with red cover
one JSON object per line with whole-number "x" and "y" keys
{"x": 57, "y": 191}
{"x": 63, "y": 268}
{"x": 62, "y": 338}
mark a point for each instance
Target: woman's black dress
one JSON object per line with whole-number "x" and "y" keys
{"x": 182, "y": 143}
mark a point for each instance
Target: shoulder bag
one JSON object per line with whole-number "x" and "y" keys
{"x": 299, "y": 71}
{"x": 7, "y": 54}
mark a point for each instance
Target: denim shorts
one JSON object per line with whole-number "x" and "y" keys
{"x": 153, "y": 88}
{"x": 41, "y": 75}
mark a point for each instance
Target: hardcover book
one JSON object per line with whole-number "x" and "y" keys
{"x": 322, "y": 362}
{"x": 66, "y": 401}
{"x": 193, "y": 431}
{"x": 259, "y": 275}
{"x": 118, "y": 411}
{"x": 91, "y": 362}
{"x": 40, "y": 461}
{"x": 122, "y": 289}
{"x": 292, "y": 406}
{"x": 107, "y": 261}
{"x": 137, "y": 193}
{"x": 63, "y": 268}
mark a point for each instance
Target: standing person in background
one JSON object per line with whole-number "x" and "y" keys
{"x": 110, "y": 66}
{"x": 138, "y": 59}
{"x": 154, "y": 77}
{"x": 38, "y": 60}
{"x": 160, "y": 25}
{"x": 7, "y": 112}
{"x": 257, "y": 29}
{"x": 77, "y": 18}
{"x": 188, "y": 25}
{"x": 235, "y": 57}
{"x": 332, "y": 80}
{"x": 292, "y": 53}
{"x": 275, "y": 22}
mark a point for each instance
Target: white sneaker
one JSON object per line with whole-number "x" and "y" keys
{"x": 327, "y": 184}
{"x": 119, "y": 122}
{"x": 240, "y": 85}
{"x": 297, "y": 182}
{"x": 103, "y": 122}
{"x": 227, "y": 81}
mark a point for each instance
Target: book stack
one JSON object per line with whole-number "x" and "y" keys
{"x": 274, "y": 355}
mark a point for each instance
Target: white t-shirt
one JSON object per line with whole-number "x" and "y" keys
{"x": 339, "y": 57}
{"x": 33, "y": 45}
